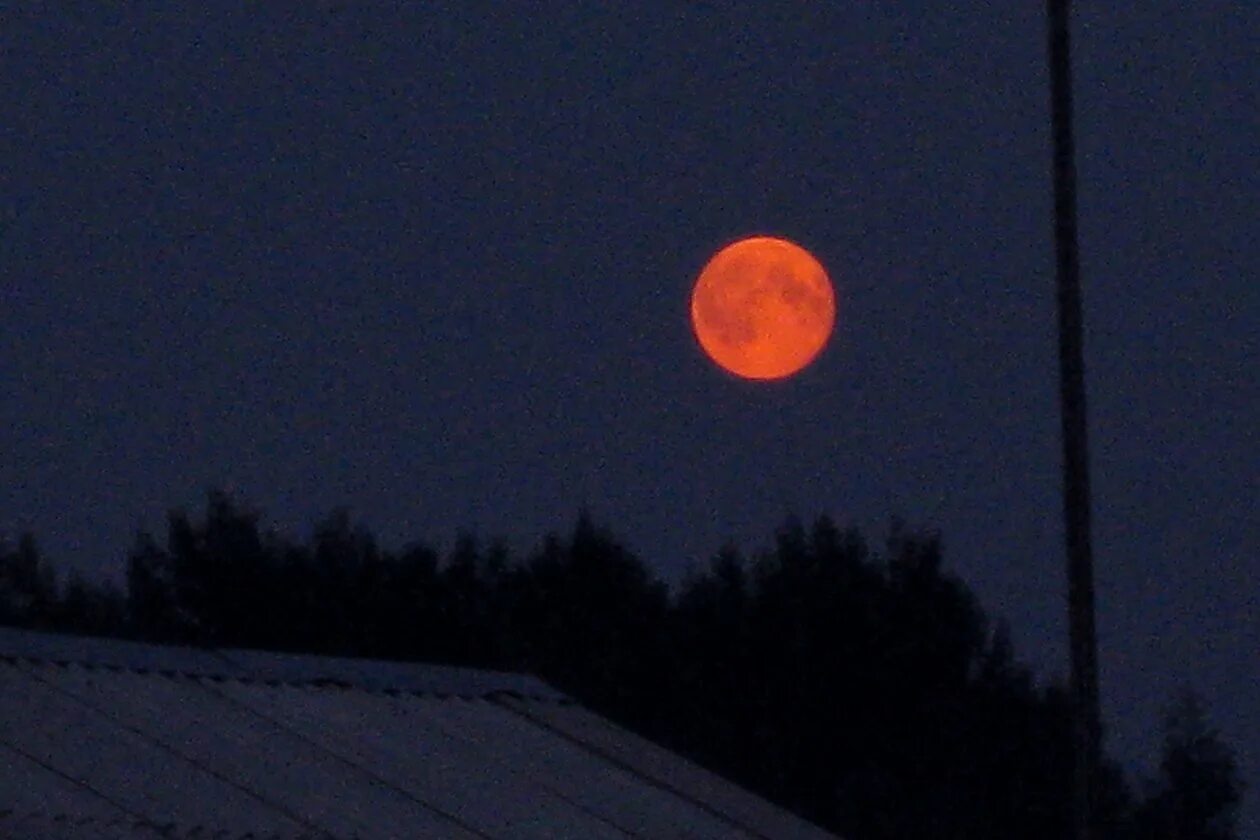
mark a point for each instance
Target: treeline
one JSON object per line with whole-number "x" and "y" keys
{"x": 865, "y": 689}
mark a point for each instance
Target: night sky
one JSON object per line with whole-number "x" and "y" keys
{"x": 432, "y": 262}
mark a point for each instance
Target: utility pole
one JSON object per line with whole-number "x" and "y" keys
{"x": 1076, "y": 498}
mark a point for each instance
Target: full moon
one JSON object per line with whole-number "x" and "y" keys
{"x": 763, "y": 308}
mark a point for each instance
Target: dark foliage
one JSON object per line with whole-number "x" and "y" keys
{"x": 1197, "y": 793}
{"x": 865, "y": 689}
{"x": 28, "y": 585}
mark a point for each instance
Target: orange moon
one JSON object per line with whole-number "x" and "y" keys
{"x": 763, "y": 308}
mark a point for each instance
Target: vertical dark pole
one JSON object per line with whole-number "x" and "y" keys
{"x": 1076, "y": 500}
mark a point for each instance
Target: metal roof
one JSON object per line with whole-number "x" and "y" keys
{"x": 103, "y": 738}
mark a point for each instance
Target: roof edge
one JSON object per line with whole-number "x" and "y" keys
{"x": 257, "y": 666}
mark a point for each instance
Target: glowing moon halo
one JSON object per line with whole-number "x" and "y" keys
{"x": 763, "y": 308}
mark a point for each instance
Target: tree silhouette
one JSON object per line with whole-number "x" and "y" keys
{"x": 1197, "y": 793}
{"x": 151, "y": 601}
{"x": 711, "y": 639}
{"x": 411, "y": 615}
{"x": 90, "y": 609}
{"x": 469, "y": 620}
{"x": 28, "y": 585}
{"x": 587, "y": 615}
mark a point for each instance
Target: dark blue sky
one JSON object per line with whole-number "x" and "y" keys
{"x": 433, "y": 263}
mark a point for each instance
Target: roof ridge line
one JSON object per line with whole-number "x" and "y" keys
{"x": 272, "y": 667}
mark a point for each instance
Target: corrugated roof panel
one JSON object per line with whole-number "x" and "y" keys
{"x": 582, "y": 777}
{"x": 283, "y": 775}
{"x": 389, "y": 736}
{"x": 38, "y": 826}
{"x": 126, "y": 768}
{"x": 26, "y": 786}
{"x": 375, "y": 675}
{"x": 655, "y": 762}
